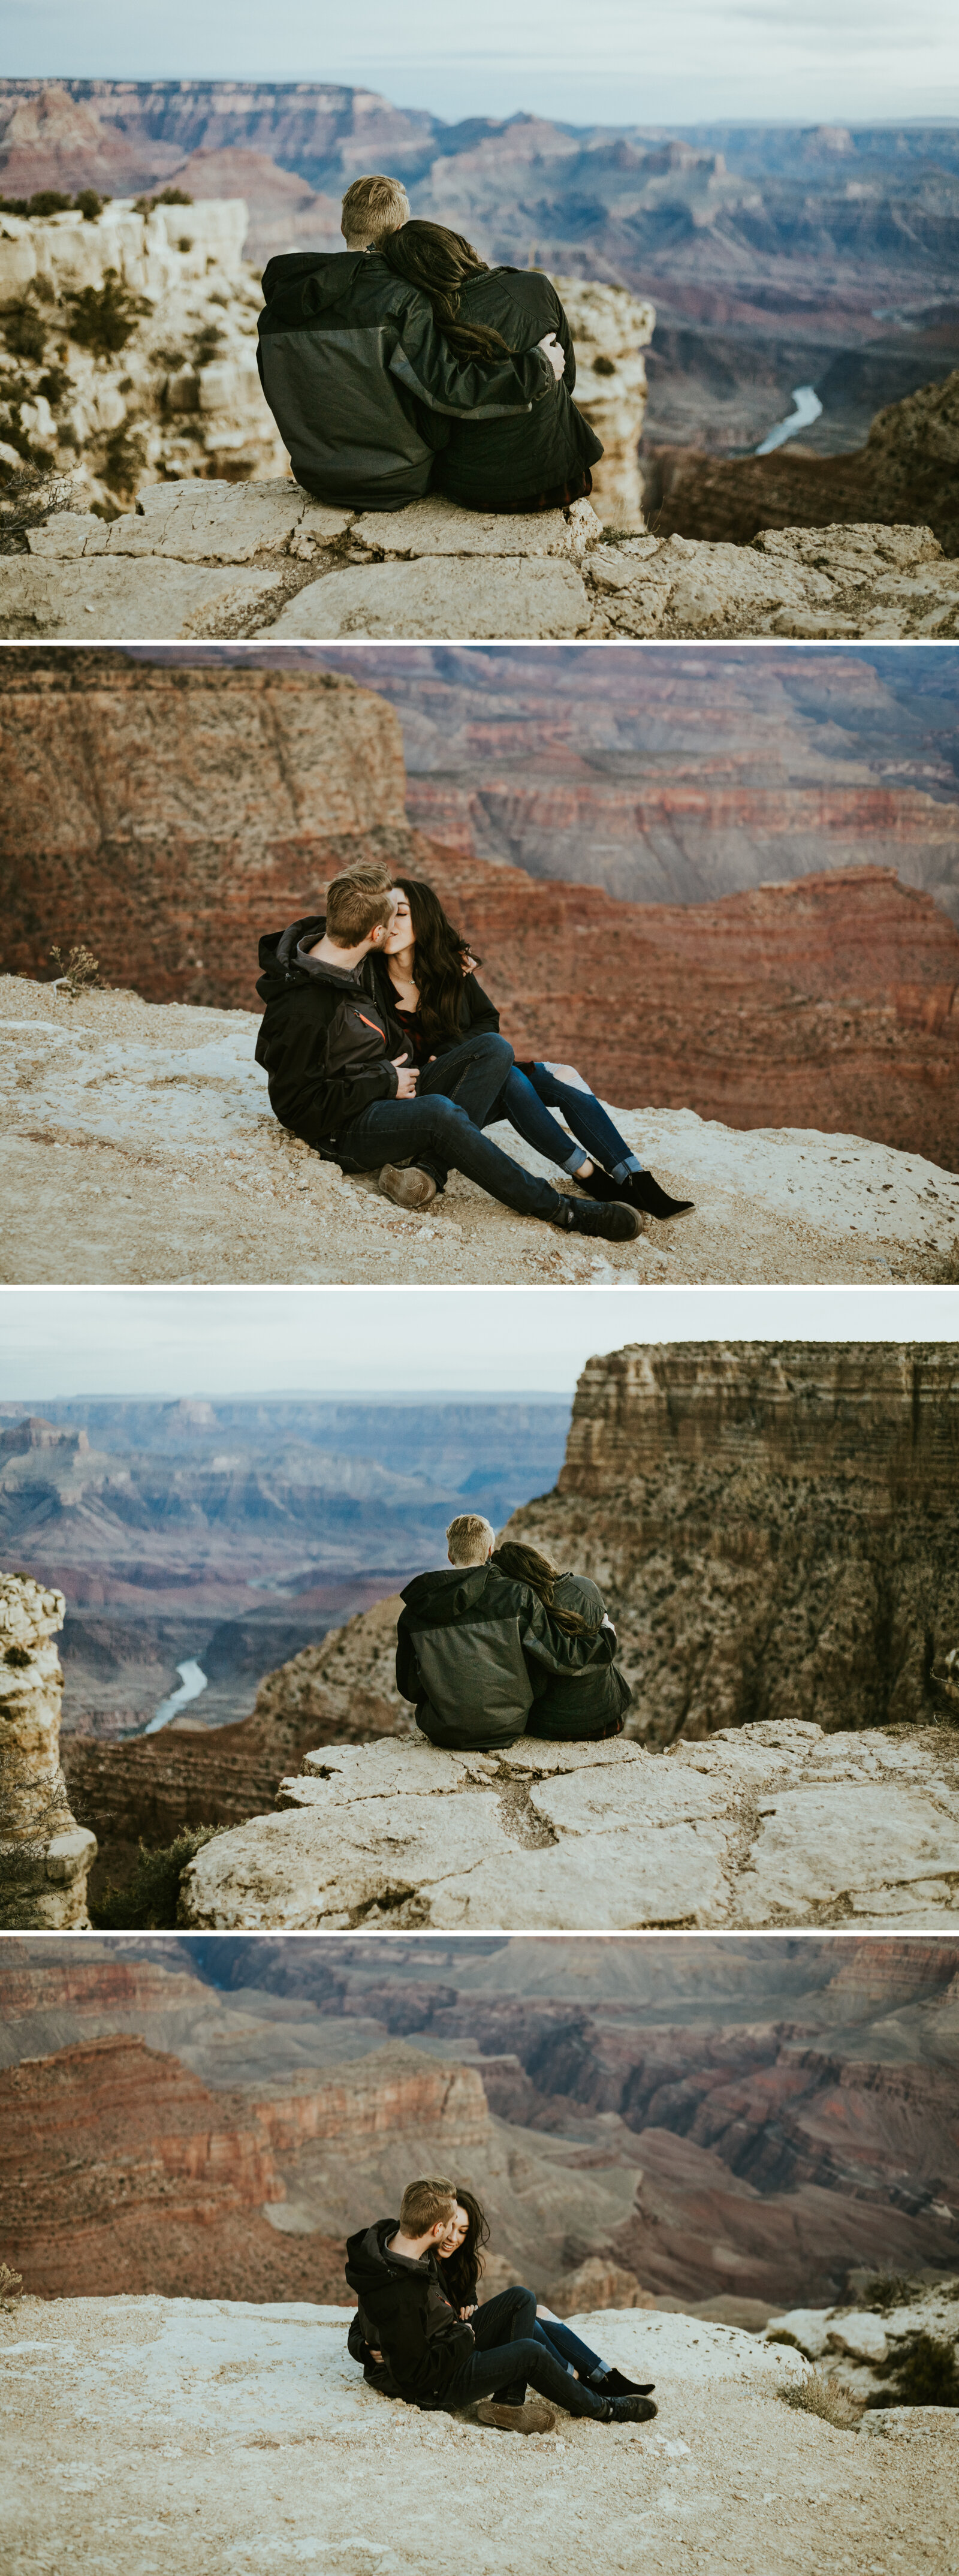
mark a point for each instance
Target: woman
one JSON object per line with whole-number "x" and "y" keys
{"x": 533, "y": 460}
{"x": 589, "y": 1705}
{"x": 460, "y": 2261}
{"x": 432, "y": 989}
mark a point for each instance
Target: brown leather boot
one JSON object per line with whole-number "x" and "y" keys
{"x": 407, "y": 1189}
{"x": 534, "y": 2417}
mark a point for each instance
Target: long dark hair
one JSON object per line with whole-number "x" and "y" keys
{"x": 462, "y": 2271}
{"x": 441, "y": 956}
{"x": 439, "y": 263}
{"x": 525, "y": 1565}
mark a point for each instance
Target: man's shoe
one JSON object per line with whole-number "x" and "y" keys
{"x": 631, "y": 2410}
{"x": 614, "y": 1223}
{"x": 534, "y": 2417}
{"x": 645, "y": 1193}
{"x": 407, "y": 1189}
{"x": 616, "y": 2384}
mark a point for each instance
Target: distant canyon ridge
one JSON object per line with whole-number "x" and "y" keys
{"x": 775, "y": 256}
{"x": 726, "y": 883}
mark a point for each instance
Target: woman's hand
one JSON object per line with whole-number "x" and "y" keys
{"x": 406, "y": 1077}
{"x": 467, "y": 2313}
{"x": 374, "y": 2355}
{"x": 551, "y": 350}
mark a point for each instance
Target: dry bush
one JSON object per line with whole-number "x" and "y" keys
{"x": 29, "y": 496}
{"x": 817, "y": 2395}
{"x": 81, "y": 974}
{"x": 11, "y": 2287}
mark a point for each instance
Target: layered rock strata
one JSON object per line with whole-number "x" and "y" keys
{"x": 775, "y": 1526}
{"x": 774, "y": 1826}
{"x": 44, "y": 1853}
{"x": 908, "y": 470}
{"x": 218, "y": 560}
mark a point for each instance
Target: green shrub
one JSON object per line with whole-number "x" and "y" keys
{"x": 48, "y": 201}
{"x": 925, "y": 2375}
{"x": 149, "y": 1902}
{"x": 167, "y": 197}
{"x": 25, "y": 332}
{"x": 105, "y": 317}
{"x": 888, "y": 2290}
{"x": 89, "y": 205}
{"x": 124, "y": 460}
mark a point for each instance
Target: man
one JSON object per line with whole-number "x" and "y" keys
{"x": 413, "y": 2345}
{"x": 340, "y": 1077}
{"x": 360, "y": 382}
{"x": 474, "y": 1649}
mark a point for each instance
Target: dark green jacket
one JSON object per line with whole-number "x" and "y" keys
{"x": 474, "y": 1651}
{"x": 578, "y": 1708}
{"x": 487, "y": 464}
{"x": 361, "y": 384}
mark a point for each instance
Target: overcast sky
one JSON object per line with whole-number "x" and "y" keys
{"x": 618, "y": 62}
{"x": 60, "y": 1342}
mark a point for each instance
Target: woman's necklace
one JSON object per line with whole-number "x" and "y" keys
{"x": 405, "y": 986}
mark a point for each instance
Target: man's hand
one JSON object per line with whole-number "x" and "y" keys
{"x": 467, "y": 2313}
{"x": 406, "y": 1077}
{"x": 551, "y": 350}
{"x": 374, "y": 2355}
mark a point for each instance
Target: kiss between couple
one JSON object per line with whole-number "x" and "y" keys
{"x": 384, "y": 1053}
{"x": 403, "y": 364}
{"x": 420, "y": 2335}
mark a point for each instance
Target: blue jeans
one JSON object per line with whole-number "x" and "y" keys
{"x": 527, "y": 1100}
{"x": 573, "y": 2354}
{"x": 510, "y": 2355}
{"x": 443, "y": 1128}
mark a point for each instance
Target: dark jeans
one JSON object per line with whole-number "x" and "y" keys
{"x": 510, "y": 2355}
{"x": 573, "y": 2354}
{"x": 528, "y": 1096}
{"x": 443, "y": 1127}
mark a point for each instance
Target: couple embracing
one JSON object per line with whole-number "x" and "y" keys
{"x": 420, "y": 2334}
{"x": 383, "y": 1052}
{"x": 404, "y": 364}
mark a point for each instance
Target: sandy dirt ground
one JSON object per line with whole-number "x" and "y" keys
{"x": 139, "y": 1147}
{"x": 156, "y": 2436}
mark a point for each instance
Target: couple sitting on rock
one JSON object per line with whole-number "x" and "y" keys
{"x": 403, "y": 364}
{"x": 499, "y": 1644}
{"x": 383, "y": 1052}
{"x": 421, "y": 2336}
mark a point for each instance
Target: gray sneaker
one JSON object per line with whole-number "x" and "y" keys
{"x": 409, "y": 1188}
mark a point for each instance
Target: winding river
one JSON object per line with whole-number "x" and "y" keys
{"x": 808, "y": 408}
{"x": 192, "y": 1681}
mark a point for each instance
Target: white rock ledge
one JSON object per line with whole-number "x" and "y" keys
{"x": 768, "y": 1826}
{"x": 233, "y": 559}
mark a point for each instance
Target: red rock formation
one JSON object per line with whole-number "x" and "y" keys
{"x": 907, "y": 473}
{"x": 120, "y": 2172}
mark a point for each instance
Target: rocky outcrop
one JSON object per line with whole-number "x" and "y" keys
{"x": 217, "y": 560}
{"x": 774, "y": 1526}
{"x": 908, "y": 471}
{"x": 151, "y": 316}
{"x": 865, "y": 2349}
{"x": 772, "y": 1827}
{"x": 610, "y": 331}
{"x": 118, "y": 2164}
{"x": 44, "y": 1853}
{"x": 236, "y": 2416}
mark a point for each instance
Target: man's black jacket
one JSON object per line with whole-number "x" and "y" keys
{"x": 475, "y": 1650}
{"x": 405, "y": 2314}
{"x": 326, "y": 1039}
{"x": 489, "y": 464}
{"x": 362, "y": 385}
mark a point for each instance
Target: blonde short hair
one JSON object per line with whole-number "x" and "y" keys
{"x": 373, "y": 208}
{"x": 425, "y": 2202}
{"x": 469, "y": 1539}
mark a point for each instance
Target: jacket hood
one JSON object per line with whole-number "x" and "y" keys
{"x": 328, "y": 277}
{"x": 451, "y": 1592}
{"x": 281, "y": 965}
{"x": 367, "y": 2266}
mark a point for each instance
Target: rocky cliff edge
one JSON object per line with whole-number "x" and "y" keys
{"x": 221, "y": 559}
{"x": 44, "y": 1853}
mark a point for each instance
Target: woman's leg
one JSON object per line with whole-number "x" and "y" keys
{"x": 526, "y": 1112}
{"x": 576, "y": 2355}
{"x": 561, "y": 1087}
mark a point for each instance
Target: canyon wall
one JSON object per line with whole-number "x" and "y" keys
{"x": 775, "y": 1528}
{"x": 164, "y": 813}
{"x": 907, "y": 470}
{"x": 44, "y": 1853}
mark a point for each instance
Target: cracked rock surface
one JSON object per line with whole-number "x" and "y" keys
{"x": 226, "y": 559}
{"x": 174, "y": 2433}
{"x": 44, "y": 1853}
{"x": 773, "y": 1826}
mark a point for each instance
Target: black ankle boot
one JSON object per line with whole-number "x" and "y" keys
{"x": 645, "y": 1193}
